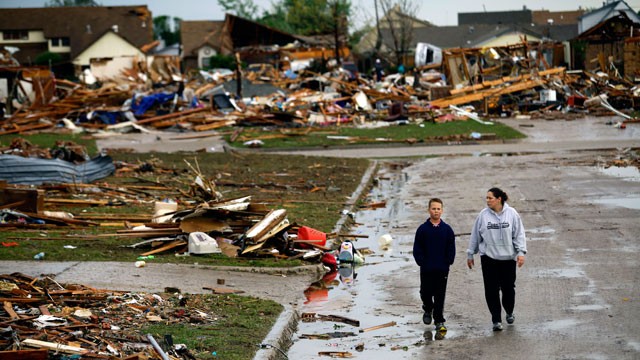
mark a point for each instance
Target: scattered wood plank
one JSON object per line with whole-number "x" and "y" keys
{"x": 336, "y": 354}
{"x": 40, "y": 354}
{"x": 66, "y": 349}
{"x": 8, "y": 307}
{"x": 172, "y": 245}
{"x": 223, "y": 291}
{"x": 392, "y": 323}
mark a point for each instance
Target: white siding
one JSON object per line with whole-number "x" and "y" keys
{"x": 108, "y": 46}
{"x": 35, "y": 36}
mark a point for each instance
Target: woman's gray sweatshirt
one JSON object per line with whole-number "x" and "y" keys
{"x": 500, "y": 236}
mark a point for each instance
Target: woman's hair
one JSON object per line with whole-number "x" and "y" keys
{"x": 498, "y": 193}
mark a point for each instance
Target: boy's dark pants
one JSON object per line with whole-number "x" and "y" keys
{"x": 433, "y": 286}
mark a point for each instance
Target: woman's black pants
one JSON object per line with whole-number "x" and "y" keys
{"x": 499, "y": 276}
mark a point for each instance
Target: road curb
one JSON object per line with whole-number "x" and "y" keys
{"x": 280, "y": 338}
{"x": 364, "y": 182}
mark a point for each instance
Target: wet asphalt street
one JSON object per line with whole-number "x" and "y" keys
{"x": 577, "y": 295}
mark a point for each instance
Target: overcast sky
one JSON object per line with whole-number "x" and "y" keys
{"x": 438, "y": 12}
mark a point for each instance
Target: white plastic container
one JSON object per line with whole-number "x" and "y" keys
{"x": 201, "y": 243}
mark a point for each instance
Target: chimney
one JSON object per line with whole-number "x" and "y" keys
{"x": 115, "y": 28}
{"x": 88, "y": 28}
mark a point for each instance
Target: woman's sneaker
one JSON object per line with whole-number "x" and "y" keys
{"x": 497, "y": 326}
{"x": 440, "y": 327}
{"x": 510, "y": 318}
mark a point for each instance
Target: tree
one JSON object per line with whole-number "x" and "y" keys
{"x": 48, "y": 58}
{"x": 243, "y": 8}
{"x": 62, "y": 3}
{"x": 307, "y": 17}
{"x": 277, "y": 18}
{"x": 399, "y": 20}
{"x": 167, "y": 28}
{"x": 300, "y": 17}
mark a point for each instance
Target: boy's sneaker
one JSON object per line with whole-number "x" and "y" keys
{"x": 510, "y": 318}
{"x": 440, "y": 327}
{"x": 426, "y": 318}
{"x": 497, "y": 326}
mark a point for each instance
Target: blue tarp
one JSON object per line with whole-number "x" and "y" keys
{"x": 140, "y": 105}
{"x": 35, "y": 171}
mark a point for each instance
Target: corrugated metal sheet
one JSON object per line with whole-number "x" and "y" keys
{"x": 35, "y": 171}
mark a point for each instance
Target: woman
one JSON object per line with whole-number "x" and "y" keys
{"x": 498, "y": 235}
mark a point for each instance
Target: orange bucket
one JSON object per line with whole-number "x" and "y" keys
{"x": 316, "y": 236}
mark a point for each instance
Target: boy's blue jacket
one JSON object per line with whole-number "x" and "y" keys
{"x": 434, "y": 247}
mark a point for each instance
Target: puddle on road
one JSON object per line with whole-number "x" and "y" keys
{"x": 352, "y": 292}
{"x": 562, "y": 273}
{"x": 627, "y": 172}
{"x": 629, "y": 203}
{"x": 543, "y": 233}
{"x": 561, "y": 324}
{"x": 590, "y": 307}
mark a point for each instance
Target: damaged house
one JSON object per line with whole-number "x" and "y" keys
{"x": 254, "y": 42}
{"x": 202, "y": 40}
{"x": 608, "y": 40}
{"x": 95, "y": 32}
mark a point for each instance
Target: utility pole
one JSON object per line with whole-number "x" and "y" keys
{"x": 336, "y": 31}
{"x": 379, "y": 34}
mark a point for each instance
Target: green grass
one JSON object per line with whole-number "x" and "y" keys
{"x": 313, "y": 190}
{"x": 426, "y": 133}
{"x": 48, "y": 140}
{"x": 241, "y": 324}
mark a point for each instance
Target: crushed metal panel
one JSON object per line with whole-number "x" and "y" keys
{"x": 34, "y": 171}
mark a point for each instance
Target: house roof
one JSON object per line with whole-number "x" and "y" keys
{"x": 82, "y": 25}
{"x": 471, "y": 35}
{"x": 247, "y": 33}
{"x": 613, "y": 9}
{"x": 496, "y": 17}
{"x": 196, "y": 34}
{"x": 563, "y": 32}
{"x": 396, "y": 13}
{"x": 616, "y": 27}
{"x": 525, "y": 16}
{"x": 542, "y": 17}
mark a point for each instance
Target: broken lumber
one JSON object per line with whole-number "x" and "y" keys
{"x": 392, "y": 323}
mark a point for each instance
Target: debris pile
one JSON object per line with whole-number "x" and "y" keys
{"x": 41, "y": 316}
{"x": 485, "y": 81}
{"x": 187, "y": 217}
